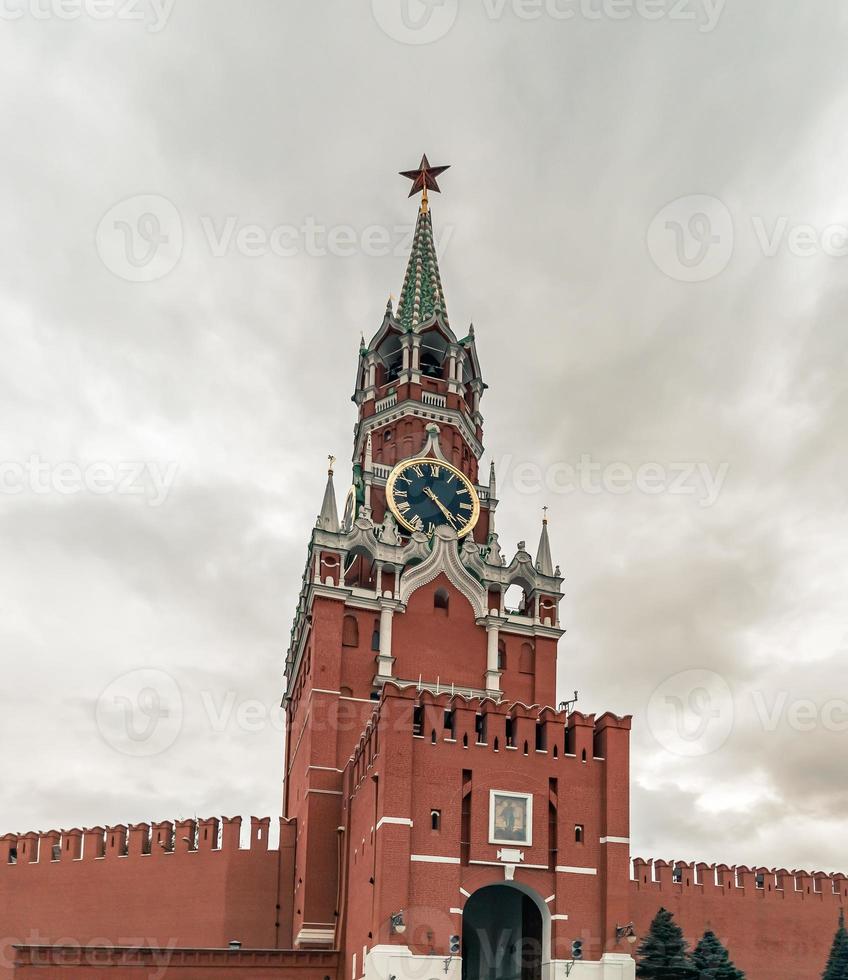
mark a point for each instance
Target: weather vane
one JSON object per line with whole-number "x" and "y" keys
{"x": 424, "y": 179}
{"x": 332, "y": 460}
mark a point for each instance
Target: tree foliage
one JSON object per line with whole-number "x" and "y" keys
{"x": 837, "y": 965}
{"x": 663, "y": 953}
{"x": 712, "y": 960}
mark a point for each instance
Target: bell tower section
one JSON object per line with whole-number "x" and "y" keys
{"x": 419, "y": 386}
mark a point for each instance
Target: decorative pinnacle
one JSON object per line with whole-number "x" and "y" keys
{"x": 545, "y": 514}
{"x": 424, "y": 179}
{"x": 332, "y": 460}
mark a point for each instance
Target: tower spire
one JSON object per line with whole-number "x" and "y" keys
{"x": 544, "y": 564}
{"x": 328, "y": 519}
{"x": 421, "y": 295}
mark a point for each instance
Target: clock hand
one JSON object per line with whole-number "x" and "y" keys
{"x": 440, "y": 505}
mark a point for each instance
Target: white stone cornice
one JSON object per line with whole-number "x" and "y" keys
{"x": 411, "y": 407}
{"x": 444, "y": 558}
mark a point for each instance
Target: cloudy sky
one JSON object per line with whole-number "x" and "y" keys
{"x": 645, "y": 219}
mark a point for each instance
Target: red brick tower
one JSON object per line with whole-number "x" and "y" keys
{"x": 449, "y": 820}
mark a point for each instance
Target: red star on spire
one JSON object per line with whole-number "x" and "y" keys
{"x": 424, "y": 179}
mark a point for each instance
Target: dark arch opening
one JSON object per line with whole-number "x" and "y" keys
{"x": 502, "y": 935}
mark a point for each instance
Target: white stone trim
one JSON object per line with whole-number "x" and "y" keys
{"x": 325, "y": 792}
{"x": 559, "y": 918}
{"x": 400, "y": 821}
{"x": 398, "y": 961}
{"x": 611, "y": 966}
{"x": 518, "y": 864}
{"x": 433, "y": 859}
{"x": 455, "y": 911}
{"x": 563, "y": 869}
{"x": 314, "y": 935}
{"x": 615, "y": 840}
{"x": 444, "y": 558}
{"x": 549, "y": 899}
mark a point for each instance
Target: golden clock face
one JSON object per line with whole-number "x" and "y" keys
{"x": 424, "y": 493}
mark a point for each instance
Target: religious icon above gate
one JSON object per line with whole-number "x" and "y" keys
{"x": 510, "y": 817}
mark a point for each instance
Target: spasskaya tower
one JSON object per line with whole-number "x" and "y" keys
{"x": 428, "y": 771}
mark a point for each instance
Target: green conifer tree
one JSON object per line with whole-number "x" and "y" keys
{"x": 712, "y": 961}
{"x": 837, "y": 965}
{"x": 663, "y": 954}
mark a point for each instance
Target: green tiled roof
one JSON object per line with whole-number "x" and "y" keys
{"x": 421, "y": 295}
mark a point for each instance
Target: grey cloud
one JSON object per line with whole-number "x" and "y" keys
{"x": 566, "y": 139}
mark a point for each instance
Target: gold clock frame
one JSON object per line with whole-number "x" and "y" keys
{"x": 430, "y": 460}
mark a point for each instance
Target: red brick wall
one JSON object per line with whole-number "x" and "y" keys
{"x": 772, "y": 933}
{"x": 205, "y": 897}
{"x": 415, "y": 775}
{"x": 438, "y": 644}
{"x": 73, "y": 963}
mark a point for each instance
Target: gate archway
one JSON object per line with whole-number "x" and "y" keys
{"x": 505, "y": 934}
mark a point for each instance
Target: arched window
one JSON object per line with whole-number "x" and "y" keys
{"x": 390, "y": 353}
{"x": 501, "y": 655}
{"x": 350, "y": 632}
{"x": 375, "y": 636}
{"x": 441, "y": 599}
{"x": 527, "y": 660}
{"x": 578, "y": 833}
{"x": 431, "y": 365}
{"x": 435, "y": 819}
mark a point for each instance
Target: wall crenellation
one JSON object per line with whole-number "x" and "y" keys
{"x": 483, "y": 723}
{"x": 141, "y": 840}
{"x": 688, "y": 877}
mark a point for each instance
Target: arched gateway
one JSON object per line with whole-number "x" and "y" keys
{"x": 505, "y": 934}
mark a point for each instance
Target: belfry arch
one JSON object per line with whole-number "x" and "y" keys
{"x": 506, "y": 934}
